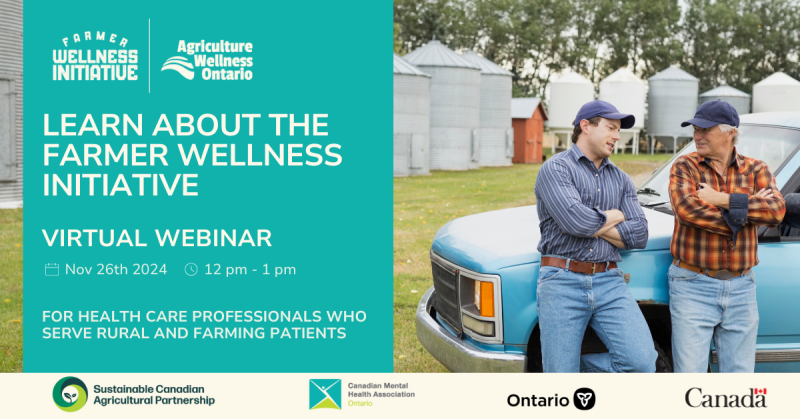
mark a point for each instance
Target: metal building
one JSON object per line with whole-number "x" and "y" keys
{"x": 672, "y": 99}
{"x": 778, "y": 92}
{"x": 496, "y": 133}
{"x": 626, "y": 92}
{"x": 735, "y": 97}
{"x": 412, "y": 119}
{"x": 10, "y": 103}
{"x": 455, "y": 106}
{"x": 528, "y": 118}
{"x": 567, "y": 95}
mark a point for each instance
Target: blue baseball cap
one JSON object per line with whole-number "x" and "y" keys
{"x": 713, "y": 113}
{"x": 605, "y": 110}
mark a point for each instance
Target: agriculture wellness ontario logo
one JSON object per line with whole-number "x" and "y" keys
{"x": 70, "y": 394}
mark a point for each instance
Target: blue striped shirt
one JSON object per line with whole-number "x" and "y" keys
{"x": 571, "y": 197}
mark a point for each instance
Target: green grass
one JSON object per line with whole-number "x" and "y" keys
{"x": 422, "y": 204}
{"x": 11, "y": 290}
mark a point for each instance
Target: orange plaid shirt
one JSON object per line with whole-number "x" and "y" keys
{"x": 702, "y": 237}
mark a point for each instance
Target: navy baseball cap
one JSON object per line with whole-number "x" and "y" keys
{"x": 605, "y": 110}
{"x": 713, "y": 113}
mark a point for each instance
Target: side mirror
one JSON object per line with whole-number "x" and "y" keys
{"x": 792, "y": 217}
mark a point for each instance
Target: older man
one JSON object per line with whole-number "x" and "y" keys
{"x": 718, "y": 197}
{"x": 587, "y": 209}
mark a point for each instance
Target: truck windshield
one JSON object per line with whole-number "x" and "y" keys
{"x": 773, "y": 145}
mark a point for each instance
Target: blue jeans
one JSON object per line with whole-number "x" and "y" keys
{"x": 702, "y": 307}
{"x": 567, "y": 302}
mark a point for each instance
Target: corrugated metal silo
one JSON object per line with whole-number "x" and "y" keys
{"x": 567, "y": 95}
{"x": 776, "y": 93}
{"x": 672, "y": 99}
{"x": 497, "y": 136}
{"x": 626, "y": 92}
{"x": 412, "y": 119}
{"x": 455, "y": 106}
{"x": 735, "y": 97}
{"x": 10, "y": 103}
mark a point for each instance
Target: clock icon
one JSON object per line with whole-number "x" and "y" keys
{"x": 190, "y": 269}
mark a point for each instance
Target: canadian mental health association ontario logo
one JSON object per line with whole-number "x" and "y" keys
{"x": 324, "y": 394}
{"x": 70, "y": 394}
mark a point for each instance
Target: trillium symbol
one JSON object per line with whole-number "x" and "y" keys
{"x": 181, "y": 65}
{"x": 584, "y": 398}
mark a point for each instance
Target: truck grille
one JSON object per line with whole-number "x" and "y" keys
{"x": 445, "y": 282}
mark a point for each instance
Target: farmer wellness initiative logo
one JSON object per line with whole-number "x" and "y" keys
{"x": 92, "y": 56}
{"x": 70, "y": 394}
{"x": 221, "y": 60}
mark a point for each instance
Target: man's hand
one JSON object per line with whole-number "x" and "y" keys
{"x": 713, "y": 197}
{"x": 612, "y": 236}
{"x": 764, "y": 193}
{"x": 613, "y": 217}
{"x": 721, "y": 199}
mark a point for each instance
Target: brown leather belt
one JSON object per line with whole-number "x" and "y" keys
{"x": 723, "y": 274}
{"x": 588, "y": 268}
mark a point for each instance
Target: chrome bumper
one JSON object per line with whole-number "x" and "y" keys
{"x": 455, "y": 354}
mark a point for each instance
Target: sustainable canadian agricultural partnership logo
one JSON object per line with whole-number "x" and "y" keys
{"x": 218, "y": 60}
{"x": 70, "y": 394}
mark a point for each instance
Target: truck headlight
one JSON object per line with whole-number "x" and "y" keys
{"x": 484, "y": 298}
{"x": 478, "y": 313}
{"x": 478, "y": 326}
{"x": 475, "y": 296}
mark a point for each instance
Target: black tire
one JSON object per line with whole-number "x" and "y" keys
{"x": 663, "y": 361}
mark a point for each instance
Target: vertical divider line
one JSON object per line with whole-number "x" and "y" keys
{"x": 149, "y": 64}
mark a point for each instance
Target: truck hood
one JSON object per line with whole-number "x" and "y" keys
{"x": 491, "y": 241}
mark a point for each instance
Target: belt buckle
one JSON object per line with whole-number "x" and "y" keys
{"x": 594, "y": 267}
{"x": 723, "y": 274}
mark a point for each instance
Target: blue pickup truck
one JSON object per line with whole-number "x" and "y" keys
{"x": 480, "y": 315}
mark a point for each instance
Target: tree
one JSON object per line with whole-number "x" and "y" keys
{"x": 766, "y": 40}
{"x": 540, "y": 42}
{"x": 422, "y": 20}
{"x": 738, "y": 42}
{"x": 741, "y": 42}
{"x": 709, "y": 34}
{"x": 640, "y": 34}
{"x": 398, "y": 44}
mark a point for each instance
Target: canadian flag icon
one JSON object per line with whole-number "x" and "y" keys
{"x": 761, "y": 391}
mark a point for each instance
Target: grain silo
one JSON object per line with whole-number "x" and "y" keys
{"x": 672, "y": 99}
{"x": 627, "y": 93}
{"x": 10, "y": 103}
{"x": 496, "y": 134}
{"x": 776, "y": 93}
{"x": 735, "y": 97}
{"x": 412, "y": 119}
{"x": 455, "y": 106}
{"x": 567, "y": 95}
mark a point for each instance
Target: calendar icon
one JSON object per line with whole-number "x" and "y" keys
{"x": 51, "y": 269}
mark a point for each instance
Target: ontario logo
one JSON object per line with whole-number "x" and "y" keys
{"x": 70, "y": 394}
{"x": 324, "y": 394}
{"x": 583, "y": 399}
{"x": 93, "y": 56}
{"x": 223, "y": 60}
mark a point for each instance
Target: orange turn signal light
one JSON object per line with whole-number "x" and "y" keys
{"x": 487, "y": 299}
